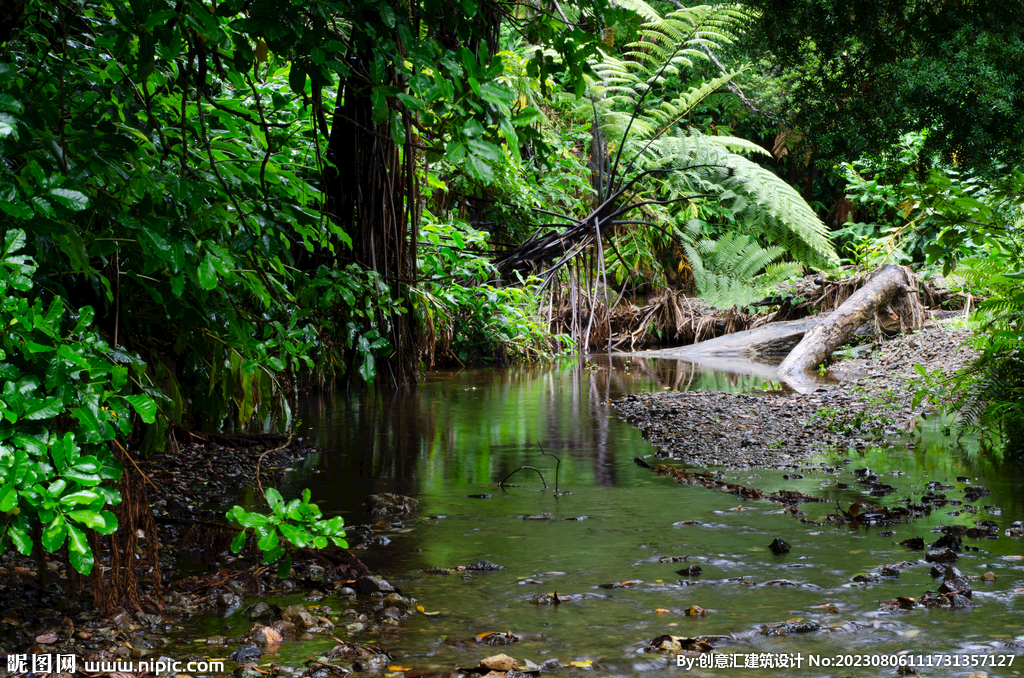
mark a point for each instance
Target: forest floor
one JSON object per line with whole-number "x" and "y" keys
{"x": 869, "y": 397}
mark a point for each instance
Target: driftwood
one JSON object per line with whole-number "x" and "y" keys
{"x": 876, "y": 298}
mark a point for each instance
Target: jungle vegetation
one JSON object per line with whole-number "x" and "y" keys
{"x": 211, "y": 205}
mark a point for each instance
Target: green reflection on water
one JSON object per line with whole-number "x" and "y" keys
{"x": 457, "y": 434}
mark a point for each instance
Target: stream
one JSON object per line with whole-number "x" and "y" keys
{"x": 450, "y": 440}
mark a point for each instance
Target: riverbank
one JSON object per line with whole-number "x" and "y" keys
{"x": 870, "y": 399}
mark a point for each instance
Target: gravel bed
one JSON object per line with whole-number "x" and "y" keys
{"x": 780, "y": 429}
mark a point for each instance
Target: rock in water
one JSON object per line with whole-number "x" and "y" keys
{"x": 779, "y": 547}
{"x": 941, "y": 556}
{"x": 246, "y": 654}
{"x": 484, "y": 566}
{"x": 373, "y": 584}
{"x": 499, "y": 662}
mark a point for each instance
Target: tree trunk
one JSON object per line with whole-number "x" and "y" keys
{"x": 835, "y": 330}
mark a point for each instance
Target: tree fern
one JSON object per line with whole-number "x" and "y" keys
{"x": 735, "y": 271}
{"x": 677, "y": 161}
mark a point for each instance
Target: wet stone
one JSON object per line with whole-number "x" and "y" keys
{"x": 788, "y": 627}
{"x": 395, "y": 600}
{"x": 869, "y": 578}
{"x": 259, "y": 610}
{"x": 973, "y": 493}
{"x": 316, "y": 573}
{"x": 954, "y": 581}
{"x": 948, "y": 541}
{"x": 779, "y": 546}
{"x": 484, "y": 566}
{"x": 246, "y": 654}
{"x": 373, "y": 584}
{"x": 691, "y": 571}
{"x": 228, "y": 600}
{"x": 958, "y": 601}
{"x": 299, "y": 615}
{"x": 941, "y": 556}
{"x": 499, "y": 662}
{"x": 889, "y": 571}
{"x": 988, "y": 576}
{"x": 916, "y": 543}
{"x": 284, "y": 627}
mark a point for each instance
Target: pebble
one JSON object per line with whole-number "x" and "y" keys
{"x": 778, "y": 430}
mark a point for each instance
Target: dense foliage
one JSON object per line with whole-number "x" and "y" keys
{"x": 856, "y": 76}
{"x": 207, "y": 204}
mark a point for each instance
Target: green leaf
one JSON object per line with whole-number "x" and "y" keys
{"x": 526, "y": 116}
{"x": 109, "y": 523}
{"x": 88, "y": 518}
{"x": 38, "y": 408}
{"x": 296, "y": 535}
{"x": 144, "y": 405}
{"x": 238, "y": 543}
{"x": 273, "y": 554}
{"x": 285, "y": 568}
{"x": 78, "y": 550}
{"x": 42, "y": 207}
{"x": 55, "y": 534}
{"x": 368, "y": 370}
{"x": 269, "y": 541}
{"x": 9, "y": 103}
{"x": 19, "y": 531}
{"x": 73, "y": 200}
{"x": 8, "y": 497}
{"x": 207, "y": 273}
{"x": 320, "y": 542}
{"x": 275, "y": 501}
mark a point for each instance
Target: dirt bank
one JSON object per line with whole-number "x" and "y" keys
{"x": 781, "y": 428}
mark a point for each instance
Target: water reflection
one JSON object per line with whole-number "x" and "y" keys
{"x": 458, "y": 433}
{"x": 473, "y": 427}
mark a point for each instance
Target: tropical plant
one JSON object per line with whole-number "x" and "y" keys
{"x": 67, "y": 399}
{"x": 652, "y": 163}
{"x": 289, "y": 525}
{"x": 988, "y": 394}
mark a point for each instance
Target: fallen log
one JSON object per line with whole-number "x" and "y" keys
{"x": 767, "y": 343}
{"x": 819, "y": 342}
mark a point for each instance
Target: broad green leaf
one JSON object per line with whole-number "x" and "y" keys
{"x": 144, "y": 405}
{"x": 275, "y": 501}
{"x": 269, "y": 541}
{"x": 39, "y": 408}
{"x": 88, "y": 518}
{"x": 73, "y": 200}
{"x": 296, "y": 535}
{"x": 109, "y": 523}
{"x": 8, "y": 497}
{"x": 238, "y": 543}
{"x": 207, "y": 273}
{"x": 79, "y": 497}
{"x": 285, "y": 568}
{"x": 78, "y": 550}
{"x": 55, "y": 534}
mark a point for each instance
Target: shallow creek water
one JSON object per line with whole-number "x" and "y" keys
{"x": 458, "y": 433}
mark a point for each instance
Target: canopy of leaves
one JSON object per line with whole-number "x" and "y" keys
{"x": 863, "y": 73}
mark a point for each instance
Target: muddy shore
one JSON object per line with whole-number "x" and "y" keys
{"x": 869, "y": 400}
